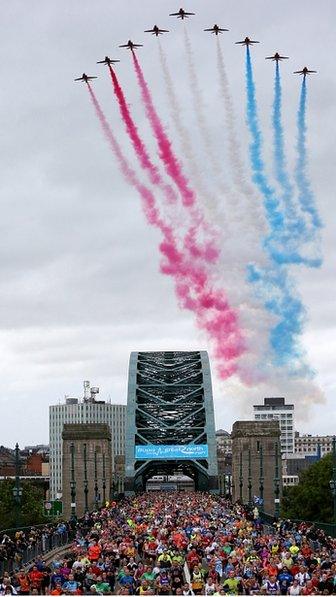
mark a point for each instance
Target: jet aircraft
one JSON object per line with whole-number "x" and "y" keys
{"x": 181, "y": 14}
{"x": 130, "y": 45}
{"x": 247, "y": 42}
{"x": 276, "y": 57}
{"x": 215, "y": 29}
{"x": 85, "y": 78}
{"x": 108, "y": 61}
{"x": 305, "y": 71}
{"x": 156, "y": 31}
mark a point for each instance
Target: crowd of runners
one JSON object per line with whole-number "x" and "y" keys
{"x": 182, "y": 544}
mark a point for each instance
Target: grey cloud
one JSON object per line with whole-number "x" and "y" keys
{"x": 80, "y": 285}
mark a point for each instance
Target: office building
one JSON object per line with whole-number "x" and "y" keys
{"x": 224, "y": 459}
{"x": 308, "y": 449}
{"x": 276, "y": 409}
{"x": 313, "y": 444}
{"x": 223, "y": 442}
{"x": 82, "y": 411}
{"x": 294, "y": 464}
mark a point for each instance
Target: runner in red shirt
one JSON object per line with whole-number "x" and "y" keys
{"x": 35, "y": 578}
{"x": 94, "y": 552}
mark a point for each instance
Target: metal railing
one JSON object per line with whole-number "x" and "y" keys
{"x": 328, "y": 528}
{"x": 11, "y": 531}
{"x": 267, "y": 518}
{"x": 45, "y": 544}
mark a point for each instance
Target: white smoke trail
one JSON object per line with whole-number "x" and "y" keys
{"x": 222, "y": 213}
{"x": 303, "y": 393}
{"x": 224, "y": 197}
{"x": 243, "y": 207}
{"x": 254, "y": 225}
{"x": 209, "y": 201}
{"x": 252, "y": 203}
{"x": 239, "y": 239}
{"x": 200, "y": 109}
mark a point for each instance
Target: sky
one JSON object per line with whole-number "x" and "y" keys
{"x": 80, "y": 284}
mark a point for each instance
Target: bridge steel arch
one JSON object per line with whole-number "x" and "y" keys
{"x": 170, "y": 402}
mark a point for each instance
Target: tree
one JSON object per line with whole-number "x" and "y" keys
{"x": 6, "y": 504}
{"x": 311, "y": 499}
{"x": 30, "y": 512}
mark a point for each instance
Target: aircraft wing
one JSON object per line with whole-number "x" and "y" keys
{"x": 124, "y": 46}
{"x": 89, "y": 78}
{"x": 174, "y": 14}
{"x": 163, "y": 30}
{"x": 189, "y": 13}
{"x": 242, "y": 43}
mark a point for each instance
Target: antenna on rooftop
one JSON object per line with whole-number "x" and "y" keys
{"x": 87, "y": 392}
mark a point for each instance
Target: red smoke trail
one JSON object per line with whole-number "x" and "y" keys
{"x": 210, "y": 306}
{"x": 137, "y": 142}
{"x": 174, "y": 170}
{"x": 148, "y": 200}
{"x": 172, "y": 164}
{"x": 155, "y": 176}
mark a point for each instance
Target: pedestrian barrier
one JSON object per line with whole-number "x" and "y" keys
{"x": 44, "y": 545}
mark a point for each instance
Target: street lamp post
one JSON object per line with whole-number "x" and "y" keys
{"x": 72, "y": 481}
{"x": 276, "y": 483}
{"x": 332, "y": 482}
{"x": 17, "y": 491}
{"x": 114, "y": 484}
{"x": 104, "y": 481}
{"x": 95, "y": 480}
{"x": 86, "y": 489}
{"x": 261, "y": 478}
{"x": 241, "y": 477}
{"x": 249, "y": 478}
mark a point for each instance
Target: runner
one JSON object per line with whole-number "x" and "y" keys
{"x": 183, "y": 544}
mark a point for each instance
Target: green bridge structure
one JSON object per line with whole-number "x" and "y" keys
{"x": 170, "y": 419}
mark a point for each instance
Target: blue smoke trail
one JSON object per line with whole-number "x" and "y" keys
{"x": 306, "y": 196}
{"x": 279, "y": 153}
{"x": 270, "y": 200}
{"x": 295, "y": 232}
{"x": 273, "y": 283}
{"x": 277, "y": 291}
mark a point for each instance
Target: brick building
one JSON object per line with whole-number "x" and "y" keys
{"x": 86, "y": 467}
{"x": 256, "y": 463}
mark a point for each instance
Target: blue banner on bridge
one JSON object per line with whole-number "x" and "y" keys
{"x": 173, "y": 452}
